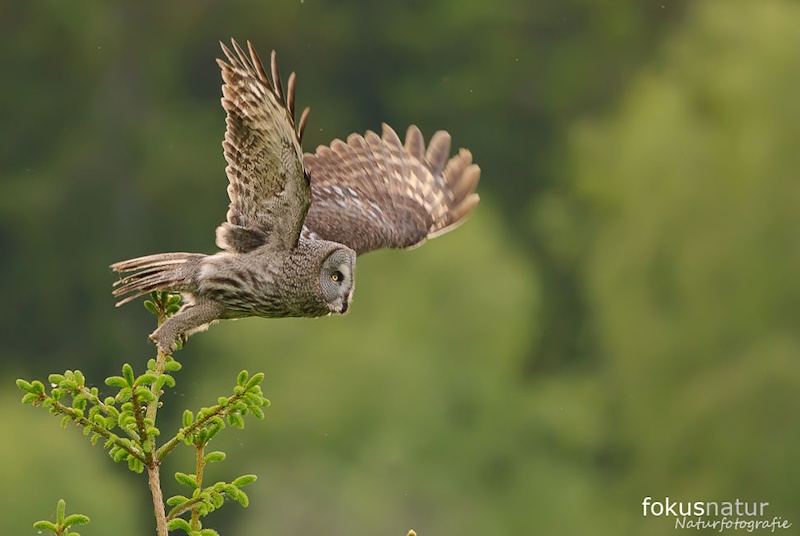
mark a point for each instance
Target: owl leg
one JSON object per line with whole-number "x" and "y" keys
{"x": 192, "y": 317}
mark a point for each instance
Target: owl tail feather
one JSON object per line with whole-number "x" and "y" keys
{"x": 164, "y": 271}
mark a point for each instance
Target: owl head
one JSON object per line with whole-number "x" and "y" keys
{"x": 318, "y": 278}
{"x": 336, "y": 279}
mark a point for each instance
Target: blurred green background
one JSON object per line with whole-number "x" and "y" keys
{"x": 618, "y": 319}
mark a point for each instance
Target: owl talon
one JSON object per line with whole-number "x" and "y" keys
{"x": 164, "y": 343}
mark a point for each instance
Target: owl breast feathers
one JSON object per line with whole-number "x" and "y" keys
{"x": 297, "y": 221}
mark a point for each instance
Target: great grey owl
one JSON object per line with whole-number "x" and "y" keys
{"x": 297, "y": 221}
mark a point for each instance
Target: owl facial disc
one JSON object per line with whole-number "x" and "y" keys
{"x": 336, "y": 279}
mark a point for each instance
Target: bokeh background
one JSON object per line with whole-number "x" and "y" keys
{"x": 618, "y": 319}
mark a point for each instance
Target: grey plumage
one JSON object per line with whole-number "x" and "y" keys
{"x": 296, "y": 222}
{"x": 374, "y": 192}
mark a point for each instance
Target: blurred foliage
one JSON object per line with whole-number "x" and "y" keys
{"x": 692, "y": 271}
{"x": 617, "y": 320}
{"x": 35, "y": 453}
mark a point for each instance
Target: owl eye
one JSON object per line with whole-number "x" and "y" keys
{"x": 336, "y": 276}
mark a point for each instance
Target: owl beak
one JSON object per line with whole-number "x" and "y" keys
{"x": 346, "y": 302}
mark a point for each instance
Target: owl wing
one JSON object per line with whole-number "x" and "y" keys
{"x": 269, "y": 191}
{"x": 376, "y": 192}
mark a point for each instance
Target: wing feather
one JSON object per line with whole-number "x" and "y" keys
{"x": 268, "y": 189}
{"x": 375, "y": 191}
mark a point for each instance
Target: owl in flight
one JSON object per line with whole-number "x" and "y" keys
{"x": 297, "y": 221}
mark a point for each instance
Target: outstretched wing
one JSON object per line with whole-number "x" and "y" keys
{"x": 268, "y": 189}
{"x": 376, "y": 192}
